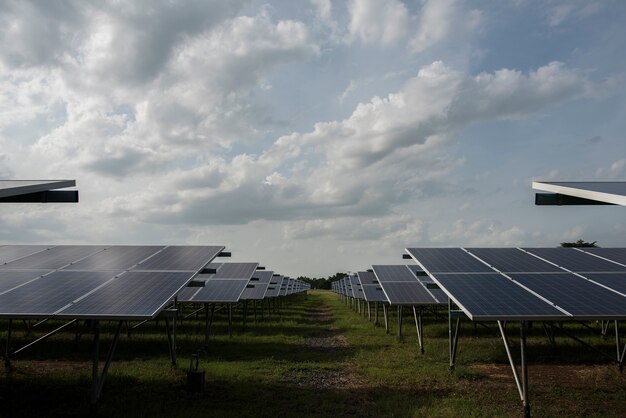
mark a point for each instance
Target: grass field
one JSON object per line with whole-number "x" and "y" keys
{"x": 316, "y": 357}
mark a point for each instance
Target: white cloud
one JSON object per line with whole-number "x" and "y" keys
{"x": 378, "y": 21}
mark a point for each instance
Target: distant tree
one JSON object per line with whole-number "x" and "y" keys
{"x": 579, "y": 243}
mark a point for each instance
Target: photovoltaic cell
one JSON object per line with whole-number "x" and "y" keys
{"x": 614, "y": 254}
{"x": 398, "y": 273}
{"x": 9, "y": 279}
{"x": 53, "y": 258}
{"x": 448, "y": 260}
{"x": 115, "y": 258}
{"x": 512, "y": 260}
{"x": 367, "y": 277}
{"x": 616, "y": 281}
{"x": 236, "y": 270}
{"x": 14, "y": 252}
{"x": 494, "y": 297}
{"x": 44, "y": 296}
{"x": 187, "y": 258}
{"x": 374, "y": 293}
{"x": 137, "y": 295}
{"x": 257, "y": 292}
{"x": 221, "y": 290}
{"x": 407, "y": 293}
{"x": 581, "y": 298}
{"x": 576, "y": 261}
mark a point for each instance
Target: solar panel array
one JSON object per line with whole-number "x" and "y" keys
{"x": 97, "y": 282}
{"x": 372, "y": 291}
{"x": 401, "y": 286}
{"x": 530, "y": 283}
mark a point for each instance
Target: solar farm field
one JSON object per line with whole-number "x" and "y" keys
{"x": 314, "y": 356}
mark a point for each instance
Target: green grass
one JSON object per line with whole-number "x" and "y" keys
{"x": 269, "y": 370}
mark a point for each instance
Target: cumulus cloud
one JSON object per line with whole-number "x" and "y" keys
{"x": 378, "y": 21}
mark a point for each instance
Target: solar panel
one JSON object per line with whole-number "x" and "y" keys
{"x": 115, "y": 258}
{"x": 185, "y": 258}
{"x": 447, "y": 260}
{"x": 45, "y": 296}
{"x": 10, "y": 279}
{"x": 398, "y": 273}
{"x": 512, "y": 260}
{"x": 221, "y": 290}
{"x": 374, "y": 293}
{"x": 257, "y": 292}
{"x": 616, "y": 281}
{"x": 576, "y": 261}
{"x": 19, "y": 187}
{"x": 53, "y": 258}
{"x": 273, "y": 289}
{"x": 580, "y": 297}
{"x": 604, "y": 191}
{"x": 613, "y": 254}
{"x": 236, "y": 270}
{"x": 135, "y": 294}
{"x": 14, "y": 252}
{"x": 367, "y": 277}
{"x": 402, "y": 287}
{"x": 494, "y": 297}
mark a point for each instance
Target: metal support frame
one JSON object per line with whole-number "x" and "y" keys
{"x": 376, "y": 313}
{"x": 98, "y": 379}
{"x": 620, "y": 356}
{"x": 521, "y": 382}
{"x": 245, "y": 312}
{"x": 400, "y": 311}
{"x": 386, "y": 314}
{"x": 8, "y": 352}
{"x": 453, "y": 337}
{"x": 418, "y": 327}
{"x": 369, "y": 312}
{"x": 230, "y": 320}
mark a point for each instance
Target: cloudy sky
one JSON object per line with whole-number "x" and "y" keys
{"x": 313, "y": 136}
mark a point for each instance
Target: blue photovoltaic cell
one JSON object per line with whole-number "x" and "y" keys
{"x": 576, "y": 295}
{"x": 136, "y": 295}
{"x": 448, "y": 260}
{"x": 53, "y": 259}
{"x": 186, "y": 258}
{"x": 9, "y": 279}
{"x": 407, "y": 293}
{"x": 614, "y": 254}
{"x": 115, "y": 258}
{"x": 236, "y": 270}
{"x": 513, "y": 260}
{"x": 374, "y": 293}
{"x": 259, "y": 287}
{"x": 274, "y": 287}
{"x": 576, "y": 261}
{"x": 186, "y": 294}
{"x": 15, "y": 252}
{"x": 494, "y": 297}
{"x": 45, "y": 296}
{"x": 398, "y": 273}
{"x": 367, "y": 277}
{"x": 616, "y": 281}
{"x": 221, "y": 290}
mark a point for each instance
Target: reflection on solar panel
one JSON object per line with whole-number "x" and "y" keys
{"x": 402, "y": 287}
{"x": 613, "y": 254}
{"x": 115, "y": 258}
{"x": 513, "y": 260}
{"x": 15, "y": 252}
{"x": 54, "y": 258}
{"x": 135, "y": 294}
{"x": 447, "y": 260}
{"x": 576, "y": 261}
{"x": 47, "y": 295}
{"x": 579, "y": 297}
{"x": 10, "y": 279}
{"x": 616, "y": 281}
{"x": 184, "y": 258}
{"x": 494, "y": 297}
{"x": 259, "y": 287}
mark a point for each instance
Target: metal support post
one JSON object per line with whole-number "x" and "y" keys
{"x": 376, "y": 313}
{"x": 170, "y": 342}
{"x": 7, "y": 348}
{"x": 418, "y": 328}
{"x": 400, "y": 321}
{"x": 230, "y": 320}
{"x": 98, "y": 380}
{"x": 245, "y": 312}
{"x": 369, "y": 312}
{"x": 522, "y": 340}
{"x": 453, "y": 338}
{"x": 620, "y": 355}
{"x": 385, "y": 313}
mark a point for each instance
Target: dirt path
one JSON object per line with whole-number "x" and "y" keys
{"x": 329, "y": 341}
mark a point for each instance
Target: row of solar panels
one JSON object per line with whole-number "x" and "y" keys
{"x": 503, "y": 283}
{"x": 393, "y": 284}
{"x": 118, "y": 282}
